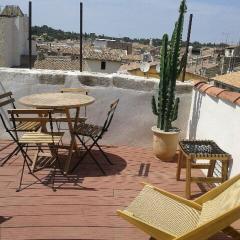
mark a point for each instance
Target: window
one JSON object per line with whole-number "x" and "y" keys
{"x": 103, "y": 65}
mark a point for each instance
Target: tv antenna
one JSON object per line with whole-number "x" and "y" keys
{"x": 144, "y": 67}
{"x": 158, "y": 68}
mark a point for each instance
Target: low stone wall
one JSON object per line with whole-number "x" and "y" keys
{"x": 134, "y": 118}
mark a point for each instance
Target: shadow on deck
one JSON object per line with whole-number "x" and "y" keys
{"x": 84, "y": 206}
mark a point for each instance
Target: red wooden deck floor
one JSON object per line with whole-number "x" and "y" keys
{"x": 84, "y": 206}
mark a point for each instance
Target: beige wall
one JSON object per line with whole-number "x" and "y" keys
{"x": 13, "y": 40}
{"x": 95, "y": 66}
{"x": 134, "y": 118}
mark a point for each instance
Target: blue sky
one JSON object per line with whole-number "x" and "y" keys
{"x": 214, "y": 20}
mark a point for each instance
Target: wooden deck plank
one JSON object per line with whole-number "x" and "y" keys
{"x": 85, "y": 205}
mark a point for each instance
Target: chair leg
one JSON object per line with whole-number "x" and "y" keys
{"x": 97, "y": 163}
{"x": 18, "y": 150}
{"x": 53, "y": 177}
{"x": 26, "y": 158}
{"x": 14, "y": 152}
{"x": 21, "y": 178}
{"x": 88, "y": 151}
{"x": 179, "y": 165}
{"x": 103, "y": 153}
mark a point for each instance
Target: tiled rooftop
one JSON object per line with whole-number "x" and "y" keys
{"x": 57, "y": 64}
{"x": 84, "y": 207}
{"x": 231, "y": 79}
{"x": 88, "y": 52}
{"x": 223, "y": 94}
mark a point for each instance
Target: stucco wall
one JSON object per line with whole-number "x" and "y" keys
{"x": 6, "y": 50}
{"x": 13, "y": 40}
{"x": 95, "y": 66}
{"x": 216, "y": 119}
{"x": 134, "y": 118}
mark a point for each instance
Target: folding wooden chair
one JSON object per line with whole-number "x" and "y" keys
{"x": 166, "y": 216}
{"x": 38, "y": 141}
{"x": 95, "y": 133}
{"x": 7, "y": 100}
{"x": 63, "y": 119}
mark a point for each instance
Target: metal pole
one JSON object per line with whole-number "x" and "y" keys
{"x": 30, "y": 35}
{"x": 187, "y": 46}
{"x": 81, "y": 37}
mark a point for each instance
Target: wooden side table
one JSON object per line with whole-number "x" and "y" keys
{"x": 192, "y": 150}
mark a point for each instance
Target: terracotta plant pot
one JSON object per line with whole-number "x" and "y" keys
{"x": 164, "y": 144}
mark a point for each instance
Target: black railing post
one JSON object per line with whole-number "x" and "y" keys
{"x": 30, "y": 35}
{"x": 187, "y": 47}
{"x": 81, "y": 37}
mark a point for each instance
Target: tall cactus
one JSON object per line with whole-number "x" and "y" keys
{"x": 166, "y": 106}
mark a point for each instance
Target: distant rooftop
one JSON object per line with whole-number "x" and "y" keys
{"x": 11, "y": 11}
{"x": 89, "y": 52}
{"x": 229, "y": 79}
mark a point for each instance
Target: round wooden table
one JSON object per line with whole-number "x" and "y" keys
{"x": 57, "y": 100}
{"x": 65, "y": 101}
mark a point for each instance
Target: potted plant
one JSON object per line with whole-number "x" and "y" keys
{"x": 165, "y": 105}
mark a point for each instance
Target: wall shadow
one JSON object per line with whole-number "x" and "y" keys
{"x": 193, "y": 123}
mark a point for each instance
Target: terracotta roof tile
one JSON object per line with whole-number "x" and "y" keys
{"x": 88, "y": 52}
{"x": 198, "y": 86}
{"x": 197, "y": 82}
{"x": 214, "y": 91}
{"x": 229, "y": 96}
{"x": 205, "y": 87}
{"x": 237, "y": 102}
{"x": 57, "y": 64}
{"x": 223, "y": 94}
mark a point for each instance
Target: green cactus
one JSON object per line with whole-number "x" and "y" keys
{"x": 166, "y": 105}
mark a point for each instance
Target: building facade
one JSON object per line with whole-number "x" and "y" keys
{"x": 13, "y": 36}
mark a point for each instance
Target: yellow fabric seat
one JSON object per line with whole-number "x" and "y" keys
{"x": 223, "y": 203}
{"x": 166, "y": 216}
{"x": 178, "y": 217}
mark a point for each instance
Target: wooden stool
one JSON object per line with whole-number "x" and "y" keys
{"x": 192, "y": 150}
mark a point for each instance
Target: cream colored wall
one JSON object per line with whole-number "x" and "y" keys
{"x": 216, "y": 119}
{"x": 13, "y": 40}
{"x": 134, "y": 118}
{"x": 6, "y": 38}
{"x": 95, "y": 66}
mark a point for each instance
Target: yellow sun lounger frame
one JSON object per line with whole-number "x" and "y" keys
{"x": 202, "y": 232}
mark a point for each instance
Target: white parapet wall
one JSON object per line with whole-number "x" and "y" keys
{"x": 215, "y": 114}
{"x": 133, "y": 119}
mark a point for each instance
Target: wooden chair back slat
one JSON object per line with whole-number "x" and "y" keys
{"x": 110, "y": 114}
{"x": 30, "y": 111}
{"x": 7, "y": 94}
{"x": 6, "y": 102}
{"x": 30, "y": 119}
{"x": 74, "y": 90}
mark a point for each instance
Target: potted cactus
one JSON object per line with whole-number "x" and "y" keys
{"x": 165, "y": 105}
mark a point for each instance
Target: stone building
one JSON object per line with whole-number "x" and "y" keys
{"x": 13, "y": 36}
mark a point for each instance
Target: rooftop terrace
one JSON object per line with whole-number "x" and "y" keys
{"x": 85, "y": 204}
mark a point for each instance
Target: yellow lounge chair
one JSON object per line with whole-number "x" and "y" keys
{"x": 165, "y": 216}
